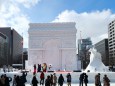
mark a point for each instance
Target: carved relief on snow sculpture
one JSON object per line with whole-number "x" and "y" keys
{"x": 52, "y": 50}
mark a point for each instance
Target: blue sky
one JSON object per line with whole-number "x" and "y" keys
{"x": 91, "y": 16}
{"x": 47, "y": 10}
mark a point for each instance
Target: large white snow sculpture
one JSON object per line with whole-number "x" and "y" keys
{"x": 96, "y": 64}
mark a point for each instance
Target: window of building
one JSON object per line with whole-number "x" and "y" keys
{"x": 3, "y": 49}
{"x": 110, "y": 32}
{"x": 110, "y": 29}
{"x": 113, "y": 40}
{"x": 110, "y": 35}
{"x": 110, "y": 42}
{"x": 111, "y": 48}
{"x": 110, "y": 39}
{"x": 111, "y": 54}
{"x": 110, "y": 45}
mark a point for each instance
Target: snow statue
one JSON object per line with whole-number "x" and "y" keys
{"x": 96, "y": 64}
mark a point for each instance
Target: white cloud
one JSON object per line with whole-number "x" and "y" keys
{"x": 96, "y": 39}
{"x": 28, "y": 3}
{"x": 12, "y": 16}
{"x": 93, "y": 24}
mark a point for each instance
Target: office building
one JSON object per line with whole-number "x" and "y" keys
{"x": 10, "y": 47}
{"x": 102, "y": 48}
{"x": 25, "y": 56}
{"x": 111, "y": 42}
{"x": 83, "y": 51}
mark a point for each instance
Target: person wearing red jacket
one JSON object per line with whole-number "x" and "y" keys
{"x": 42, "y": 77}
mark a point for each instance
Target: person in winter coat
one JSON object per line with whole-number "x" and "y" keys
{"x": 47, "y": 81}
{"x": 97, "y": 80}
{"x": 14, "y": 81}
{"x": 68, "y": 79}
{"x": 2, "y": 80}
{"x": 106, "y": 81}
{"x": 39, "y": 68}
{"x": 42, "y": 77}
{"x": 51, "y": 80}
{"x": 22, "y": 79}
{"x": 7, "y": 80}
{"x": 85, "y": 79}
{"x": 34, "y": 81}
{"x": 54, "y": 79}
{"x": 81, "y": 78}
{"x": 18, "y": 80}
{"x": 60, "y": 80}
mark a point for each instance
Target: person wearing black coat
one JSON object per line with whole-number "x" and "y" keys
{"x": 23, "y": 79}
{"x": 47, "y": 81}
{"x": 34, "y": 81}
{"x": 17, "y": 80}
{"x": 85, "y": 79}
{"x": 60, "y": 80}
{"x": 7, "y": 80}
{"x": 68, "y": 79}
{"x": 81, "y": 78}
{"x": 2, "y": 80}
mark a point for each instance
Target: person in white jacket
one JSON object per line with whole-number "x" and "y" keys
{"x": 54, "y": 79}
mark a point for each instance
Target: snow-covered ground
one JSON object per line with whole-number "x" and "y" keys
{"x": 76, "y": 84}
{"x": 75, "y": 77}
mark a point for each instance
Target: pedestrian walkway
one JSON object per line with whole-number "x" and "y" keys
{"x": 90, "y": 84}
{"x": 75, "y": 77}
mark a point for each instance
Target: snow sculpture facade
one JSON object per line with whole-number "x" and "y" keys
{"x": 53, "y": 44}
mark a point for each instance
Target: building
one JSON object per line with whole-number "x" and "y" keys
{"x": 53, "y": 44}
{"x": 10, "y": 46}
{"x": 102, "y": 48}
{"x": 83, "y": 53}
{"x": 111, "y": 42}
{"x": 25, "y": 56}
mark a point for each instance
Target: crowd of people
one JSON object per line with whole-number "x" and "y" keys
{"x": 40, "y": 68}
{"x": 17, "y": 80}
{"x": 51, "y": 80}
{"x": 84, "y": 79}
{"x": 106, "y": 80}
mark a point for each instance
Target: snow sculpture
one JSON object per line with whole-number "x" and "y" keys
{"x": 96, "y": 64}
{"x": 52, "y": 43}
